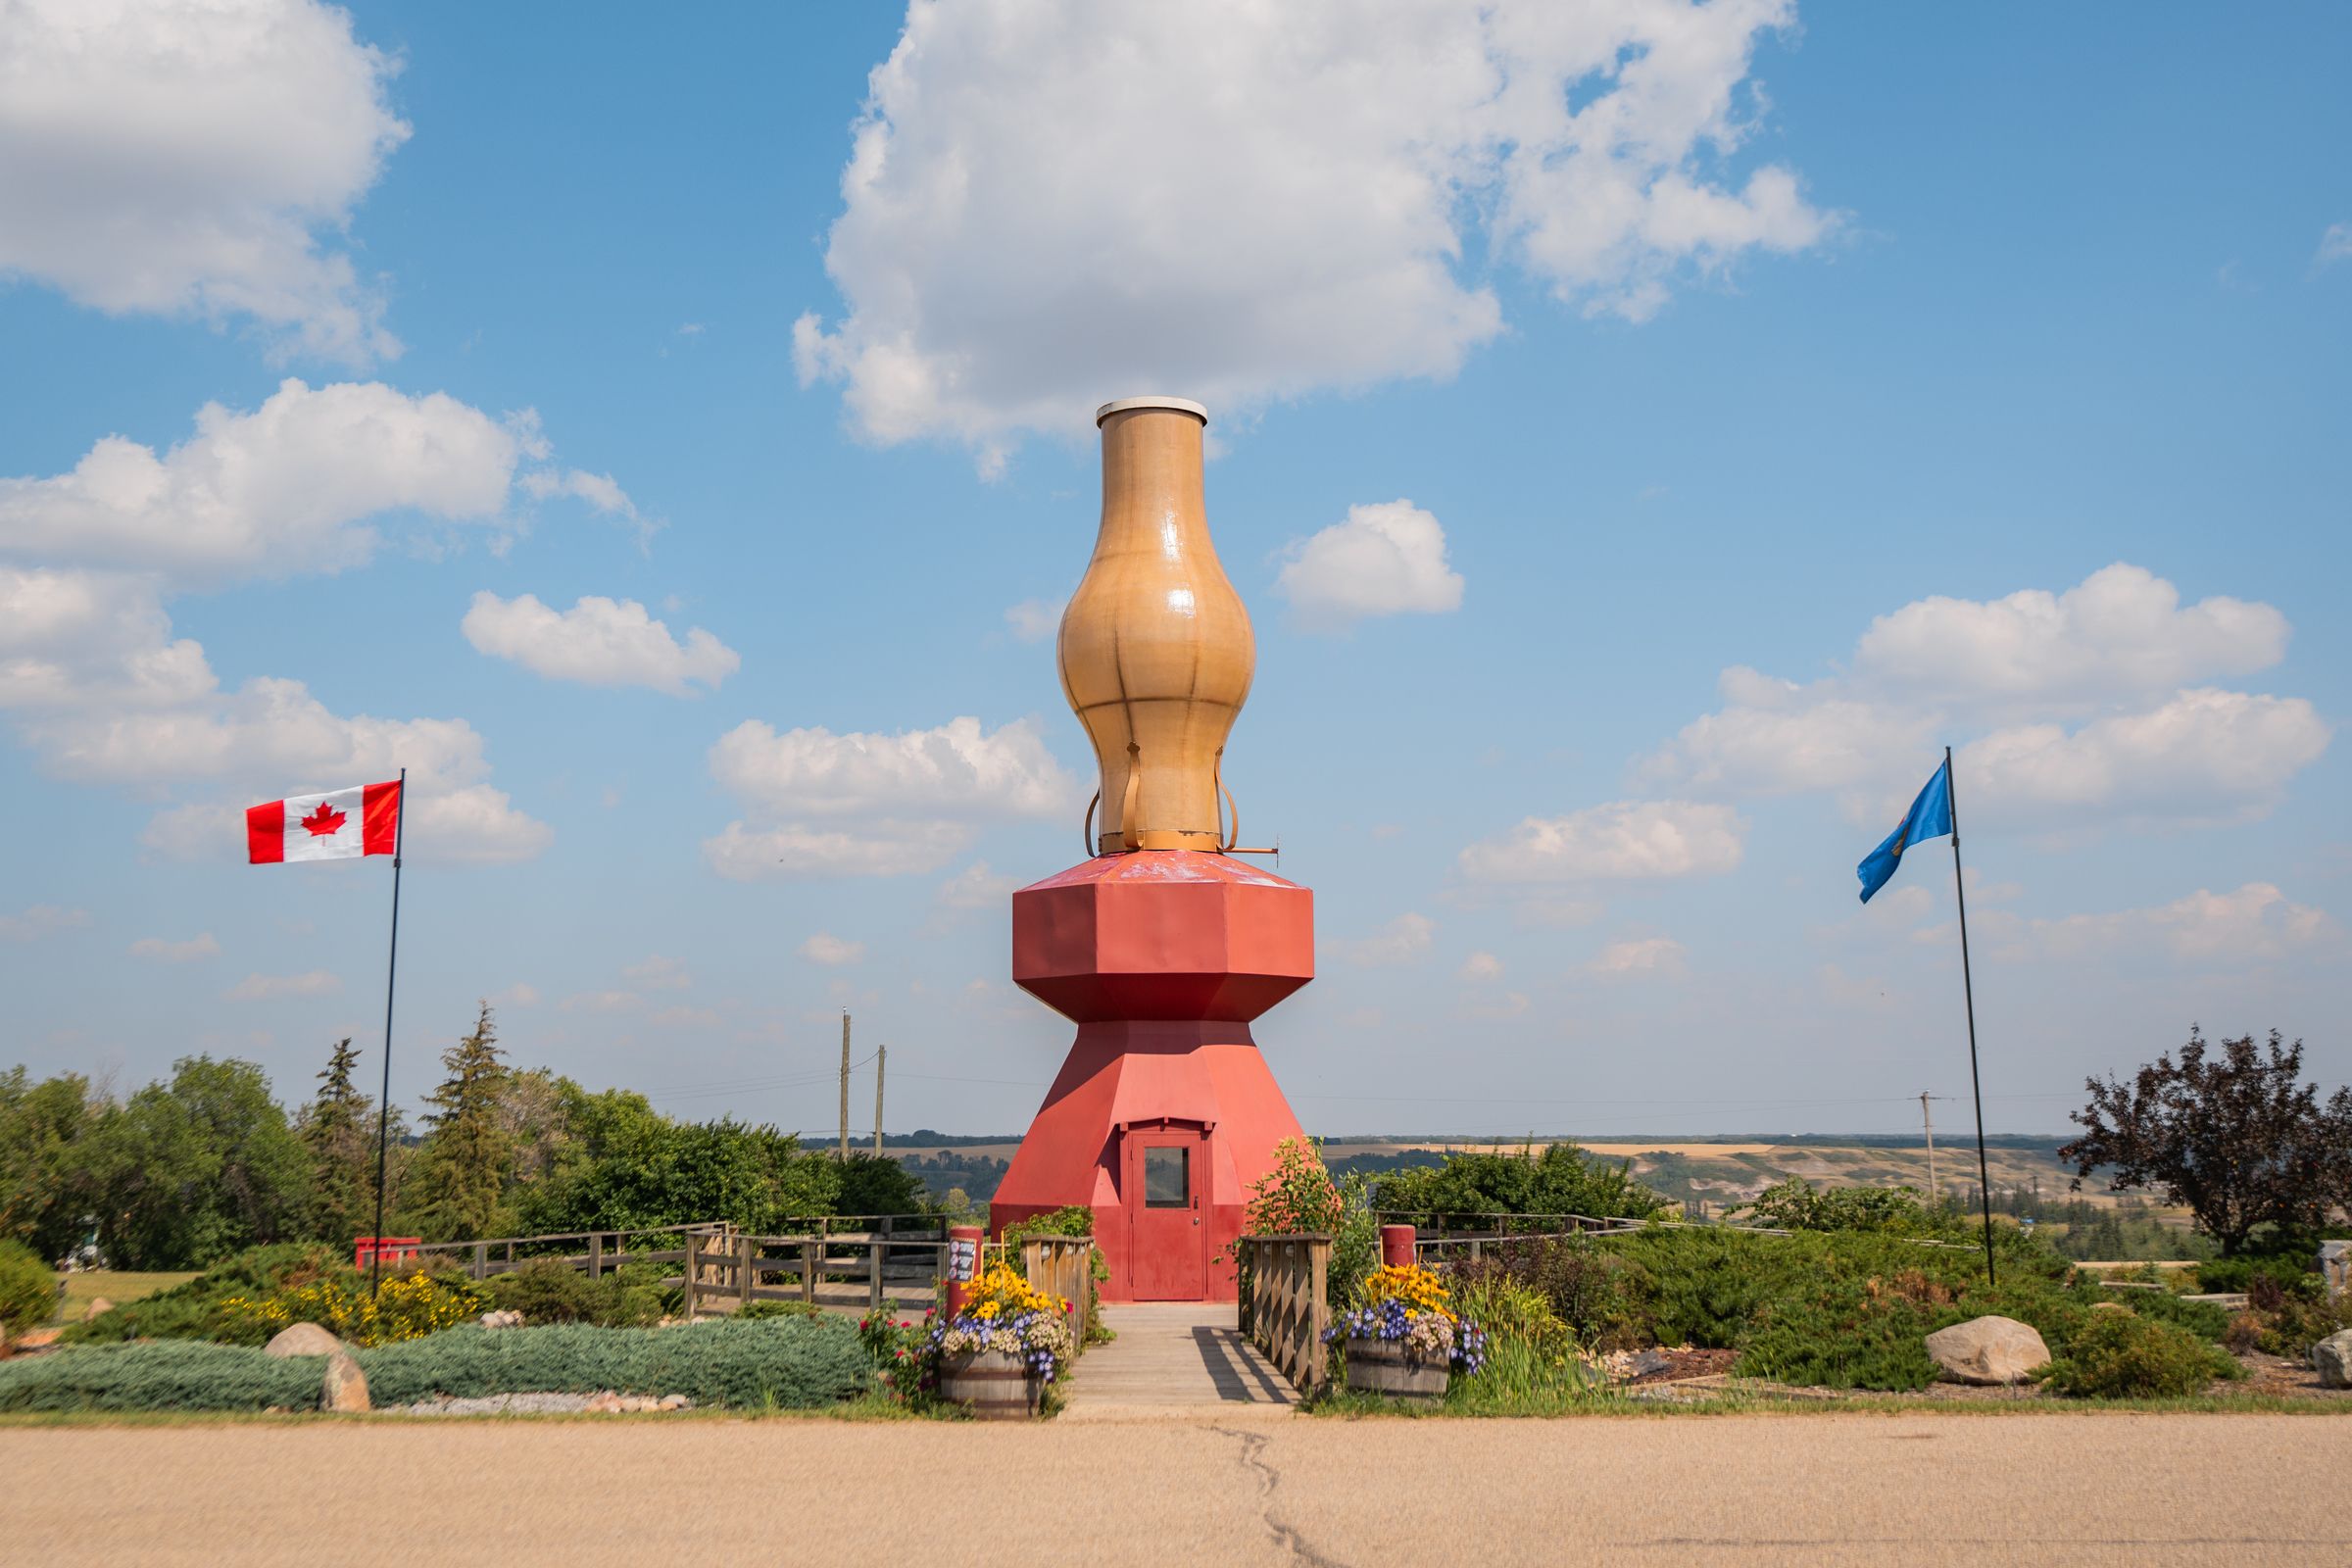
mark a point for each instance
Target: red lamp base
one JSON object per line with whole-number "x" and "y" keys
{"x": 1164, "y": 1115}
{"x": 1162, "y": 1129}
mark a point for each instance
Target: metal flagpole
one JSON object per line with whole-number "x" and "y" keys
{"x": 1968, "y": 988}
{"x": 383, "y": 1104}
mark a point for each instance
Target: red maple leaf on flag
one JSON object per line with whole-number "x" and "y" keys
{"x": 324, "y": 821}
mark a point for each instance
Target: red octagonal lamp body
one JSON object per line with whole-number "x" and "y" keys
{"x": 1164, "y": 1115}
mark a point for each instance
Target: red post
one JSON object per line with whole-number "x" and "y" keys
{"x": 1396, "y": 1245}
{"x": 963, "y": 1266}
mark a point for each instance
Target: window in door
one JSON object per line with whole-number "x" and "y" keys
{"x": 1168, "y": 1178}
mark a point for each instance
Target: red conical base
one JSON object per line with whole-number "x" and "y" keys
{"x": 1164, "y": 1115}
{"x": 1202, "y": 1095}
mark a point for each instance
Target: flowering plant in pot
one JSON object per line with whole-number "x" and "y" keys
{"x": 998, "y": 1355}
{"x": 1404, "y": 1336}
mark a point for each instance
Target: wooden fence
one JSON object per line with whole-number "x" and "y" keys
{"x": 869, "y": 1270}
{"x": 845, "y": 1246}
{"x": 857, "y": 1263}
{"x": 1458, "y": 1245}
{"x": 592, "y": 1253}
{"x": 1063, "y": 1266}
{"x": 1284, "y": 1312}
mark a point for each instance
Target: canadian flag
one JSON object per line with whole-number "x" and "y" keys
{"x": 339, "y": 825}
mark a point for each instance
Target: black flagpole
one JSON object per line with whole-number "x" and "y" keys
{"x": 1968, "y": 987}
{"x": 383, "y": 1104}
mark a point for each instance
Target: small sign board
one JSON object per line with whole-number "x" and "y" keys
{"x": 963, "y": 1261}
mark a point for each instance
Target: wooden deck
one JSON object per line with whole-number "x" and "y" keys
{"x": 1174, "y": 1355}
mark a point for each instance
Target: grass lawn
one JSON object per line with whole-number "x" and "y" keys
{"x": 86, "y": 1286}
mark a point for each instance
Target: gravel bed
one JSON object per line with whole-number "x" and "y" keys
{"x": 544, "y": 1404}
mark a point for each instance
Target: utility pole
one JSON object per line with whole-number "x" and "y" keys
{"x": 845, "y": 1085}
{"x": 881, "y": 1061}
{"x": 1929, "y": 1123}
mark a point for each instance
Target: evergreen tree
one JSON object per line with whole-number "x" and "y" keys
{"x": 339, "y": 1131}
{"x": 469, "y": 1147}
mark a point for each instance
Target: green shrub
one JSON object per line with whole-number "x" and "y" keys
{"x": 1561, "y": 1179}
{"x": 2201, "y": 1318}
{"x": 549, "y": 1290}
{"x": 788, "y": 1364}
{"x": 1795, "y": 1205}
{"x": 165, "y": 1375}
{"x": 27, "y": 1287}
{"x": 1848, "y": 1308}
{"x": 2223, "y": 1274}
{"x": 2124, "y": 1356}
{"x": 765, "y": 1310}
{"x": 194, "y": 1310}
{"x": 2289, "y": 1320}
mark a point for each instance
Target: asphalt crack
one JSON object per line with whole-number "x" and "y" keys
{"x": 1269, "y": 1481}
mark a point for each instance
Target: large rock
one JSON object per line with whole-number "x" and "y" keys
{"x": 345, "y": 1387}
{"x": 1988, "y": 1350}
{"x": 301, "y": 1339}
{"x": 2331, "y": 1358}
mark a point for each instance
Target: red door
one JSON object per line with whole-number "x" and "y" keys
{"x": 1166, "y": 1255}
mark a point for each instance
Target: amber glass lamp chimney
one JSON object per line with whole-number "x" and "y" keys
{"x": 1156, "y": 651}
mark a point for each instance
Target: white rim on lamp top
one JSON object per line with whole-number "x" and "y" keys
{"x": 1180, "y": 405}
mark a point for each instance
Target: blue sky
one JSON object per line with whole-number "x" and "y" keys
{"x": 1642, "y": 448}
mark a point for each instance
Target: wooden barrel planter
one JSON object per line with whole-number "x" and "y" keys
{"x": 993, "y": 1385}
{"x": 1378, "y": 1366}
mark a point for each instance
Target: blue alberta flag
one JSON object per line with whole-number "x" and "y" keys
{"x": 1930, "y": 818}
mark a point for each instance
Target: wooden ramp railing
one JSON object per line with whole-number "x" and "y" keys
{"x": 1284, "y": 1312}
{"x": 1063, "y": 1266}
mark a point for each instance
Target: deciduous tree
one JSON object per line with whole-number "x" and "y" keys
{"x": 2236, "y": 1138}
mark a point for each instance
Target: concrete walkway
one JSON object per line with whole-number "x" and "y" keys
{"x": 1171, "y": 1356}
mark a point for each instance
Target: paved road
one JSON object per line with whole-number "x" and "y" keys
{"x": 1244, "y": 1487}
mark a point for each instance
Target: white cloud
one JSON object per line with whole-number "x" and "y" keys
{"x": 1386, "y": 558}
{"x": 597, "y": 642}
{"x": 1489, "y": 1006}
{"x": 958, "y": 770}
{"x": 659, "y": 974}
{"x": 907, "y": 800}
{"x": 1622, "y": 839}
{"x": 2205, "y": 756}
{"x": 1048, "y": 205}
{"x": 200, "y": 946}
{"x": 285, "y": 488}
{"x": 2121, "y": 632}
{"x": 795, "y": 852}
{"x": 601, "y": 491}
{"x": 42, "y": 919}
{"x": 831, "y": 951}
{"x": 1641, "y": 955}
{"x": 2078, "y": 700}
{"x": 271, "y": 986}
{"x": 603, "y": 1002}
{"x": 1402, "y": 940}
{"x": 186, "y": 156}
{"x": 1482, "y": 966}
{"x": 975, "y": 886}
{"x": 1033, "y": 621}
{"x": 104, "y": 694}
{"x": 2255, "y": 922}
{"x": 521, "y": 994}
{"x": 2335, "y": 245}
